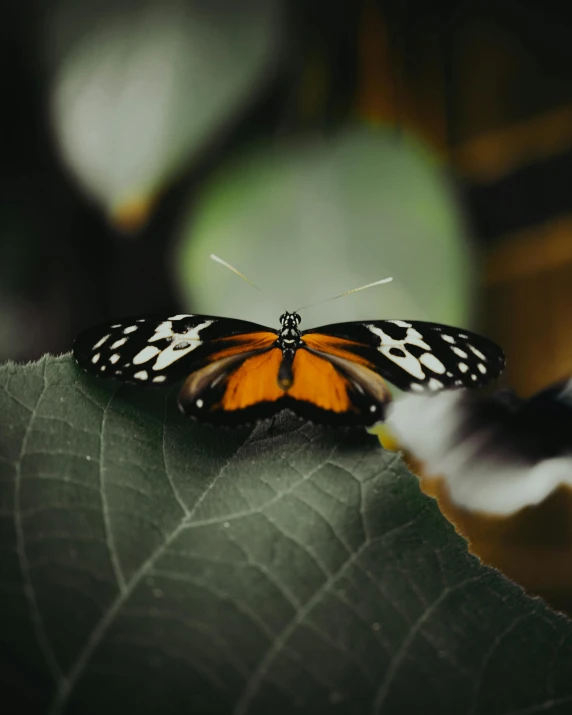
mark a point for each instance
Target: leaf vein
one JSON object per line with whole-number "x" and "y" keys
{"x": 114, "y": 556}
{"x": 67, "y": 683}
{"x": 253, "y": 685}
{"x": 401, "y": 652}
{"x": 170, "y": 479}
{"x": 28, "y": 586}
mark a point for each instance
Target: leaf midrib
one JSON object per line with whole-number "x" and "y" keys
{"x": 67, "y": 682}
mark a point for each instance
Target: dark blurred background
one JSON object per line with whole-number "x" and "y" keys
{"x": 139, "y": 137}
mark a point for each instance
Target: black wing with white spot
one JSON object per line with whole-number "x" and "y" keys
{"x": 415, "y": 355}
{"x": 156, "y": 351}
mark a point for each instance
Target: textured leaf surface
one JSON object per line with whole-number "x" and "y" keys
{"x": 150, "y": 565}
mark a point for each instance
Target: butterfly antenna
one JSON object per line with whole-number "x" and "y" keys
{"x": 341, "y": 295}
{"x": 244, "y": 278}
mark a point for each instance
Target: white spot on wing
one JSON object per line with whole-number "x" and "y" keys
{"x": 416, "y": 387}
{"x": 435, "y": 384}
{"x": 433, "y": 363}
{"x": 384, "y": 337}
{"x": 159, "y": 378}
{"x": 130, "y": 329}
{"x": 169, "y": 355}
{"x": 199, "y": 403}
{"x": 415, "y": 338}
{"x": 463, "y": 367}
{"x": 118, "y": 343}
{"x": 482, "y": 368}
{"x": 372, "y": 408}
{"x": 477, "y": 352}
{"x": 114, "y": 358}
{"x": 162, "y": 331}
{"x": 180, "y": 317}
{"x": 95, "y": 358}
{"x": 148, "y": 352}
{"x": 141, "y": 375}
{"x": 99, "y": 343}
{"x": 406, "y": 362}
{"x": 460, "y": 353}
{"x": 448, "y": 338}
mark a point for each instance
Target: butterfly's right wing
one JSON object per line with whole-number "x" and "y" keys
{"x": 412, "y": 355}
{"x": 162, "y": 350}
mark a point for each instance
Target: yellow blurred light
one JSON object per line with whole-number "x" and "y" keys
{"x": 386, "y": 437}
{"x": 133, "y": 214}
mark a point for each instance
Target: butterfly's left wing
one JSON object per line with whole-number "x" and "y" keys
{"x": 412, "y": 355}
{"x": 156, "y": 351}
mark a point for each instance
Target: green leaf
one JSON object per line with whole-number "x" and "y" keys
{"x": 153, "y": 565}
{"x": 313, "y": 217}
{"x": 141, "y": 87}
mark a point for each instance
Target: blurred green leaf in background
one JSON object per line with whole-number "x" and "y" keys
{"x": 317, "y": 215}
{"x": 141, "y": 87}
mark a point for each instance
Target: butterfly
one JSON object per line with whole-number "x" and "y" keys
{"x": 497, "y": 454}
{"x": 236, "y": 372}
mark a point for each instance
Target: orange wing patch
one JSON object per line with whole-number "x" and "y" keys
{"x": 335, "y": 346}
{"x": 317, "y": 381}
{"x": 241, "y": 344}
{"x": 256, "y": 380}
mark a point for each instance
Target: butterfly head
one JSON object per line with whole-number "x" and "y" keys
{"x": 290, "y": 320}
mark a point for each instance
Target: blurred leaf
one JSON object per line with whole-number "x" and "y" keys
{"x": 310, "y": 219}
{"x": 141, "y": 87}
{"x": 153, "y": 565}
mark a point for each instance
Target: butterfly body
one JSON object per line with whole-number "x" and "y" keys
{"x": 237, "y": 372}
